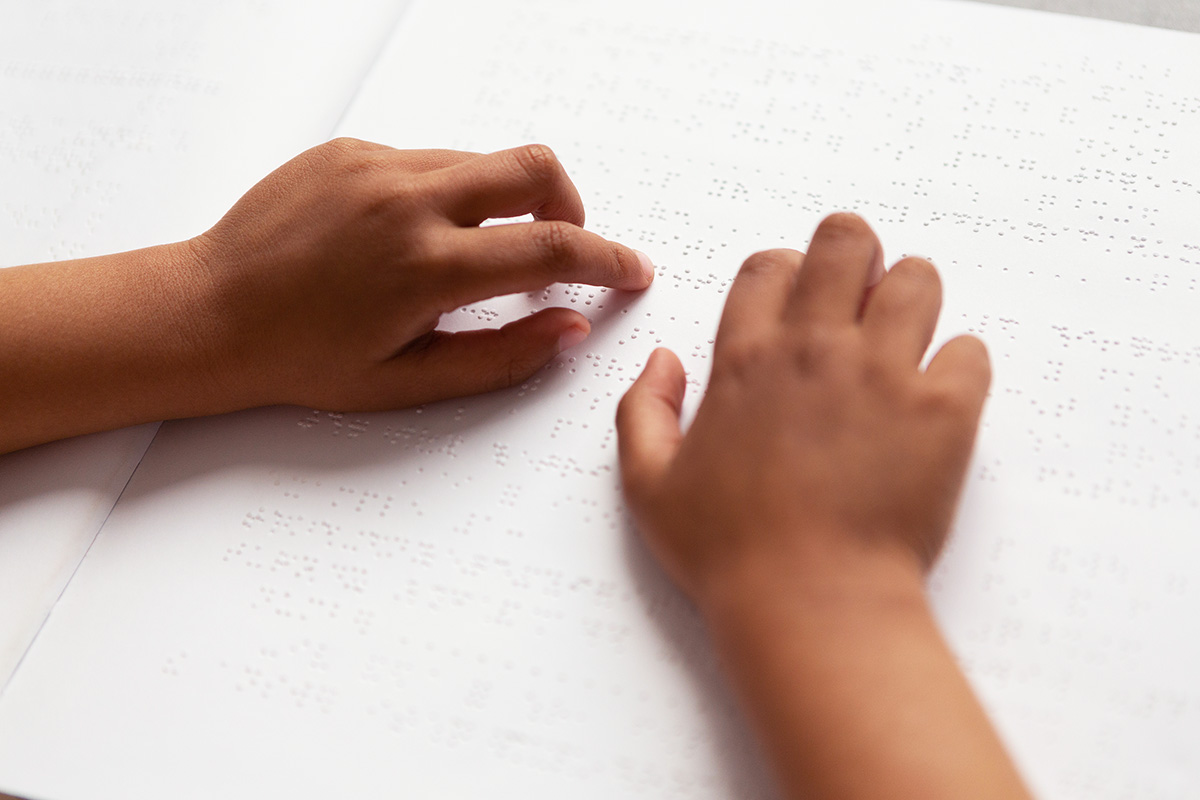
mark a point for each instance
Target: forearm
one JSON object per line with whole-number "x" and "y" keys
{"x": 851, "y": 687}
{"x": 102, "y": 343}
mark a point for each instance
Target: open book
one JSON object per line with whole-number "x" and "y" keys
{"x": 127, "y": 123}
{"x": 449, "y": 601}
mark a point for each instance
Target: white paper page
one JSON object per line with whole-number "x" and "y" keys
{"x": 449, "y": 601}
{"x": 127, "y": 124}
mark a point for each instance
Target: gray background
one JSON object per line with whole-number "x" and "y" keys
{"x": 1183, "y": 15}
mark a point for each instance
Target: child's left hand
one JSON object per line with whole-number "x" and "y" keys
{"x": 328, "y": 278}
{"x": 321, "y": 287}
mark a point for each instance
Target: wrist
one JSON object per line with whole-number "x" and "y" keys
{"x": 184, "y": 307}
{"x": 216, "y": 350}
{"x": 845, "y": 678}
{"x": 814, "y": 578}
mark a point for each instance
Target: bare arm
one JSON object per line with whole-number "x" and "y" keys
{"x": 803, "y": 507}
{"x": 321, "y": 287}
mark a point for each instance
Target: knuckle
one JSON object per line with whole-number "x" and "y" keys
{"x": 620, "y": 264}
{"x": 556, "y": 241}
{"x": 496, "y": 375}
{"x": 818, "y": 350}
{"x": 343, "y": 144}
{"x": 437, "y": 252}
{"x": 740, "y": 358}
{"x": 537, "y": 161}
{"x": 350, "y": 158}
{"x": 351, "y": 179}
{"x": 771, "y": 261}
{"x": 362, "y": 166}
{"x": 514, "y": 363}
{"x": 347, "y": 166}
{"x": 385, "y": 202}
{"x": 344, "y": 158}
{"x": 515, "y": 369}
{"x": 811, "y": 356}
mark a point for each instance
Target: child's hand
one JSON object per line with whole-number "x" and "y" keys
{"x": 802, "y": 508}
{"x": 323, "y": 285}
{"x": 820, "y": 439}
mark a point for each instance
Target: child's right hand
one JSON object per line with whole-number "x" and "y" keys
{"x": 801, "y": 509}
{"x": 820, "y": 438}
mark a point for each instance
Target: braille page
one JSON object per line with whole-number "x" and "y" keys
{"x": 128, "y": 124}
{"x": 450, "y": 601}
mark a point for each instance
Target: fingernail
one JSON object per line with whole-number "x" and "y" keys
{"x": 647, "y": 265}
{"x": 571, "y": 337}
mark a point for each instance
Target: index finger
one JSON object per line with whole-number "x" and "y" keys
{"x": 757, "y": 297}
{"x": 505, "y": 259}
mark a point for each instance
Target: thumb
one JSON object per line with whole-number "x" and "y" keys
{"x": 472, "y": 362}
{"x": 648, "y": 432}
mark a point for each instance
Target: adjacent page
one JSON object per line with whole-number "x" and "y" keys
{"x": 450, "y": 601}
{"x": 127, "y": 124}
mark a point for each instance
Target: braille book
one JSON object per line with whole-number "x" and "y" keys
{"x": 451, "y": 601}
